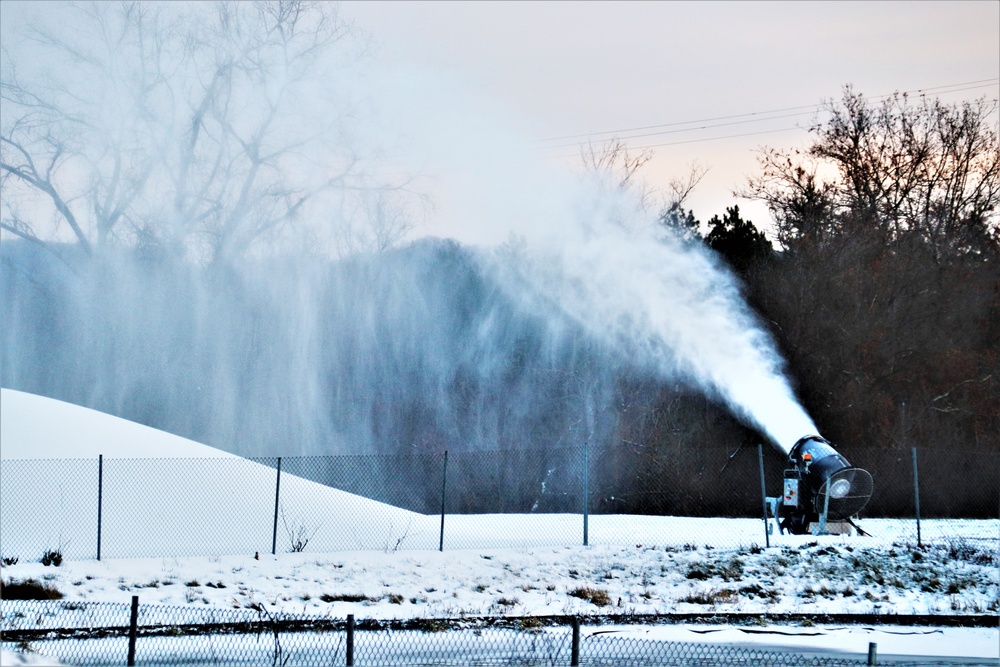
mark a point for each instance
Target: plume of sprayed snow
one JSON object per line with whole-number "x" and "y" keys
{"x": 590, "y": 251}
{"x": 664, "y": 305}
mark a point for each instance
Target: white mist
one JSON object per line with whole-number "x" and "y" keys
{"x": 667, "y": 306}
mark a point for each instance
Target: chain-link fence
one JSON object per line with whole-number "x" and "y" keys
{"x": 104, "y": 633}
{"x": 126, "y": 508}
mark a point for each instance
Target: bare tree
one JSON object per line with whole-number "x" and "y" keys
{"x": 195, "y": 130}
{"x": 613, "y": 157}
{"x": 897, "y": 168}
{"x": 378, "y": 218}
{"x": 801, "y": 204}
{"x": 80, "y": 128}
{"x": 617, "y": 166}
{"x": 74, "y": 147}
{"x": 673, "y": 215}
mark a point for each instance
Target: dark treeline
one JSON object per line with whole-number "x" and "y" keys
{"x": 884, "y": 290}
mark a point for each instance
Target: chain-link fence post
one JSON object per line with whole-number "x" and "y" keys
{"x": 586, "y": 493}
{"x": 916, "y": 496}
{"x": 277, "y": 498}
{"x": 350, "y": 640}
{"x": 574, "y": 658}
{"x": 763, "y": 494}
{"x": 444, "y": 488}
{"x": 133, "y": 630}
{"x": 100, "y": 500}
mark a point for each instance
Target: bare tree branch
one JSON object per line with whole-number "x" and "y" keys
{"x": 186, "y": 129}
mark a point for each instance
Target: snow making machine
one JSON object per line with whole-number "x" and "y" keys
{"x": 822, "y": 492}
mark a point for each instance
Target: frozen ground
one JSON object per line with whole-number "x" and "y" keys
{"x": 822, "y": 576}
{"x": 640, "y": 565}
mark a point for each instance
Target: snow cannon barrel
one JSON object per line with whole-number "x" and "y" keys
{"x": 834, "y": 484}
{"x": 822, "y": 490}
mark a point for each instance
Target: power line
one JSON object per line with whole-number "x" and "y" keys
{"x": 696, "y": 141}
{"x": 689, "y": 129}
{"x": 692, "y": 141}
{"x": 956, "y": 87}
{"x": 683, "y": 122}
{"x": 728, "y": 136}
{"x": 968, "y": 85}
{"x": 744, "y": 134}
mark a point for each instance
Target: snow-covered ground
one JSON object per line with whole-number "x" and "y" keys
{"x": 635, "y": 565}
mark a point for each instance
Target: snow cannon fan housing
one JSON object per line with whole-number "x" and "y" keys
{"x": 820, "y": 481}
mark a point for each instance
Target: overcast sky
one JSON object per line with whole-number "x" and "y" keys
{"x": 483, "y": 88}
{"x": 585, "y": 68}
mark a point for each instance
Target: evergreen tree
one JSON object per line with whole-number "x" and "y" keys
{"x": 738, "y": 240}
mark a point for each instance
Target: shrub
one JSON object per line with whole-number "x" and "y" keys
{"x": 530, "y": 623}
{"x": 699, "y": 570}
{"x": 970, "y": 553}
{"x": 709, "y": 597}
{"x": 732, "y": 570}
{"x": 52, "y": 557}
{"x": 596, "y": 596}
{"x": 431, "y": 624}
{"x": 729, "y": 571}
{"x": 755, "y": 590}
{"x": 9, "y": 560}
{"x": 298, "y": 536}
{"x": 344, "y": 597}
{"x": 29, "y": 589}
